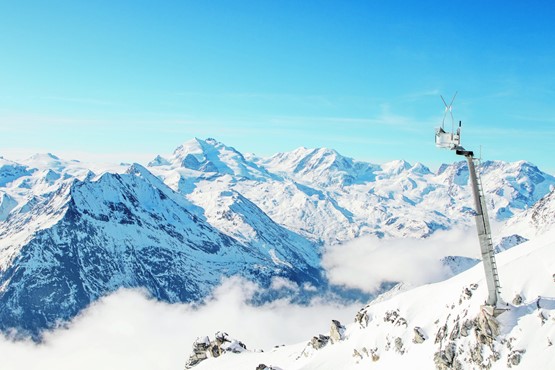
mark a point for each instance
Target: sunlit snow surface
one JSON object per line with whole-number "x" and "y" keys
{"x": 527, "y": 269}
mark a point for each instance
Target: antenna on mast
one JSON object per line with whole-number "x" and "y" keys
{"x": 448, "y": 108}
{"x": 444, "y": 139}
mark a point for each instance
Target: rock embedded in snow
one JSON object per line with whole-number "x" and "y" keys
{"x": 399, "y": 345}
{"x": 515, "y": 357}
{"x": 445, "y": 359}
{"x": 419, "y": 335}
{"x": 487, "y": 327}
{"x": 203, "y": 348}
{"x": 200, "y": 348}
{"x": 362, "y": 318}
{"x": 265, "y": 367}
{"x": 320, "y": 341}
{"x": 337, "y": 331}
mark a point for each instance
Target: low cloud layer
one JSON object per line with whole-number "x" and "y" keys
{"x": 129, "y": 331}
{"x": 367, "y": 262}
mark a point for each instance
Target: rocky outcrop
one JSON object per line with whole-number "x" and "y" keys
{"x": 337, "y": 331}
{"x": 419, "y": 336}
{"x": 517, "y": 300}
{"x": 362, "y": 318}
{"x": 447, "y": 359}
{"x": 319, "y": 341}
{"x": 514, "y": 357}
{"x": 487, "y": 327}
{"x": 266, "y": 367}
{"x": 395, "y": 318}
{"x": 203, "y": 348}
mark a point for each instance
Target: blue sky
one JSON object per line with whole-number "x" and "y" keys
{"x": 124, "y": 80}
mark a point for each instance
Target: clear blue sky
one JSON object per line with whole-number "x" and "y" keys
{"x": 129, "y": 79}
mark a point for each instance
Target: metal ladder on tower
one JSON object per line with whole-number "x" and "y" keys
{"x": 487, "y": 227}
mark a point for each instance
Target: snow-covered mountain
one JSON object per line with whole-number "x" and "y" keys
{"x": 536, "y": 219}
{"x": 331, "y": 199}
{"x": 64, "y": 250}
{"x": 440, "y": 326}
{"x": 72, "y": 232}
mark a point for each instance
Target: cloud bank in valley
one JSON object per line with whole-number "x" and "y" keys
{"x": 367, "y": 262}
{"x": 127, "y": 330}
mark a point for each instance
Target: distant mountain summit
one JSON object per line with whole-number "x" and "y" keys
{"x": 321, "y": 166}
{"x": 212, "y": 158}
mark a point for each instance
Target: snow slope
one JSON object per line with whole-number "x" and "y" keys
{"x": 439, "y": 325}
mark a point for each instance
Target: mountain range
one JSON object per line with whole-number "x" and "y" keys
{"x": 71, "y": 232}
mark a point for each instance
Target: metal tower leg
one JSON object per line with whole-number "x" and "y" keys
{"x": 484, "y": 233}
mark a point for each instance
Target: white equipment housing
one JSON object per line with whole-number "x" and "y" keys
{"x": 448, "y": 140}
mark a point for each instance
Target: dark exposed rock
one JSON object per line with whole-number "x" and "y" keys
{"x": 542, "y": 317}
{"x": 374, "y": 354}
{"x": 476, "y": 354}
{"x": 399, "y": 345}
{"x": 391, "y": 316}
{"x": 515, "y": 357}
{"x": 419, "y": 335}
{"x": 466, "y": 327}
{"x": 487, "y": 327}
{"x": 265, "y": 367}
{"x": 319, "y": 341}
{"x": 395, "y": 318}
{"x": 362, "y": 318}
{"x": 337, "y": 331}
{"x": 446, "y": 359}
{"x": 441, "y": 333}
{"x": 455, "y": 332}
{"x": 204, "y": 348}
{"x": 357, "y": 354}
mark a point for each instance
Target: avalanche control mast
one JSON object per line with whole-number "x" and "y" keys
{"x": 452, "y": 140}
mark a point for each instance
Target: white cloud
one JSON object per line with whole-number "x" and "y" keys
{"x": 279, "y": 282}
{"x": 366, "y": 262}
{"x": 129, "y": 331}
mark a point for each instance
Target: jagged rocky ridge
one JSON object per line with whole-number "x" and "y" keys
{"x": 71, "y": 232}
{"x": 128, "y": 230}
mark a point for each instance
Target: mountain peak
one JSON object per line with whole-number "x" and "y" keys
{"x": 396, "y": 167}
{"x": 211, "y": 157}
{"x": 419, "y": 168}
